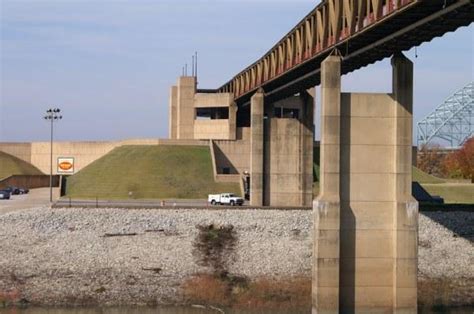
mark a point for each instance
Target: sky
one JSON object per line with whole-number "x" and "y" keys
{"x": 109, "y": 64}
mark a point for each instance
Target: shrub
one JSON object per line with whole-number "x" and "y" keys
{"x": 214, "y": 247}
{"x": 461, "y": 162}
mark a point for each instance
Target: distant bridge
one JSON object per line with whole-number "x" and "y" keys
{"x": 363, "y": 31}
{"x": 451, "y": 122}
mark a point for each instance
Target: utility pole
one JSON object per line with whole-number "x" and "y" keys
{"x": 52, "y": 114}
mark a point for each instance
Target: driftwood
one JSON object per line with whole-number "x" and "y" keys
{"x": 108, "y": 235}
{"x": 155, "y": 230}
{"x": 199, "y": 306}
{"x": 156, "y": 270}
{"x": 162, "y": 231}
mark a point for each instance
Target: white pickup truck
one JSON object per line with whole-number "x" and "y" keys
{"x": 225, "y": 199}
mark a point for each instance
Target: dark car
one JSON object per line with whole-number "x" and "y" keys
{"x": 12, "y": 190}
{"x": 4, "y": 195}
{"x": 16, "y": 190}
{"x": 24, "y": 190}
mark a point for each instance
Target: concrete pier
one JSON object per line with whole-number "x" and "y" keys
{"x": 186, "y": 90}
{"x": 281, "y": 171}
{"x": 326, "y": 243}
{"x": 365, "y": 256}
{"x": 256, "y": 148}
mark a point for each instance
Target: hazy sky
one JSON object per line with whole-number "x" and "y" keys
{"x": 109, "y": 64}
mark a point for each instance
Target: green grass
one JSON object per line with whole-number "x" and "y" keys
{"x": 453, "y": 192}
{"x": 10, "y": 165}
{"x": 423, "y": 177}
{"x": 150, "y": 172}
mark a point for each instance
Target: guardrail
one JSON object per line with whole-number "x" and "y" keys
{"x": 202, "y": 204}
{"x": 66, "y": 202}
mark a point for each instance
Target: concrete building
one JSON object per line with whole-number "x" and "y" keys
{"x": 272, "y": 143}
{"x": 197, "y": 115}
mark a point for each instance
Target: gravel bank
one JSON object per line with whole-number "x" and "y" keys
{"x": 446, "y": 258}
{"x": 61, "y": 256}
{"x": 55, "y": 256}
{"x": 446, "y": 245}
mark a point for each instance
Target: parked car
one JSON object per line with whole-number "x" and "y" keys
{"x": 4, "y": 195}
{"x": 16, "y": 190}
{"x": 24, "y": 190}
{"x": 225, "y": 199}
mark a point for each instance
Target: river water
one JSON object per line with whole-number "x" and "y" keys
{"x": 183, "y": 310}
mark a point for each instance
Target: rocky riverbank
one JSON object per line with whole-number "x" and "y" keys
{"x": 446, "y": 258}
{"x": 136, "y": 257}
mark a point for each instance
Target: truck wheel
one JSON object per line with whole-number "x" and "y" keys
{"x": 213, "y": 202}
{"x": 232, "y": 203}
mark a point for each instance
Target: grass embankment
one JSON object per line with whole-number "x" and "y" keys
{"x": 149, "y": 172}
{"x": 453, "y": 193}
{"x": 10, "y": 165}
{"x": 425, "y": 178}
{"x": 461, "y": 193}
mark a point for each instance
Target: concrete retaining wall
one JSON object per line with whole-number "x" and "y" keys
{"x": 29, "y": 181}
{"x": 19, "y": 150}
{"x": 234, "y": 155}
{"x": 211, "y": 129}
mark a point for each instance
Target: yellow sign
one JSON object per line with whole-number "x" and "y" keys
{"x": 66, "y": 165}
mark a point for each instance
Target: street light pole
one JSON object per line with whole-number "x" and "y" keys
{"x": 52, "y": 115}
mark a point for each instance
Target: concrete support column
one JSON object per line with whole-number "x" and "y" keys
{"x": 307, "y": 137}
{"x": 365, "y": 238}
{"x": 185, "y": 107}
{"x": 233, "y": 121}
{"x": 271, "y": 157}
{"x": 326, "y": 208}
{"x": 173, "y": 118}
{"x": 256, "y": 148}
{"x": 288, "y": 151}
{"x": 405, "y": 218}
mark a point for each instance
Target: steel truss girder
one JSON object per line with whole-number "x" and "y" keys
{"x": 362, "y": 31}
{"x": 452, "y": 121}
